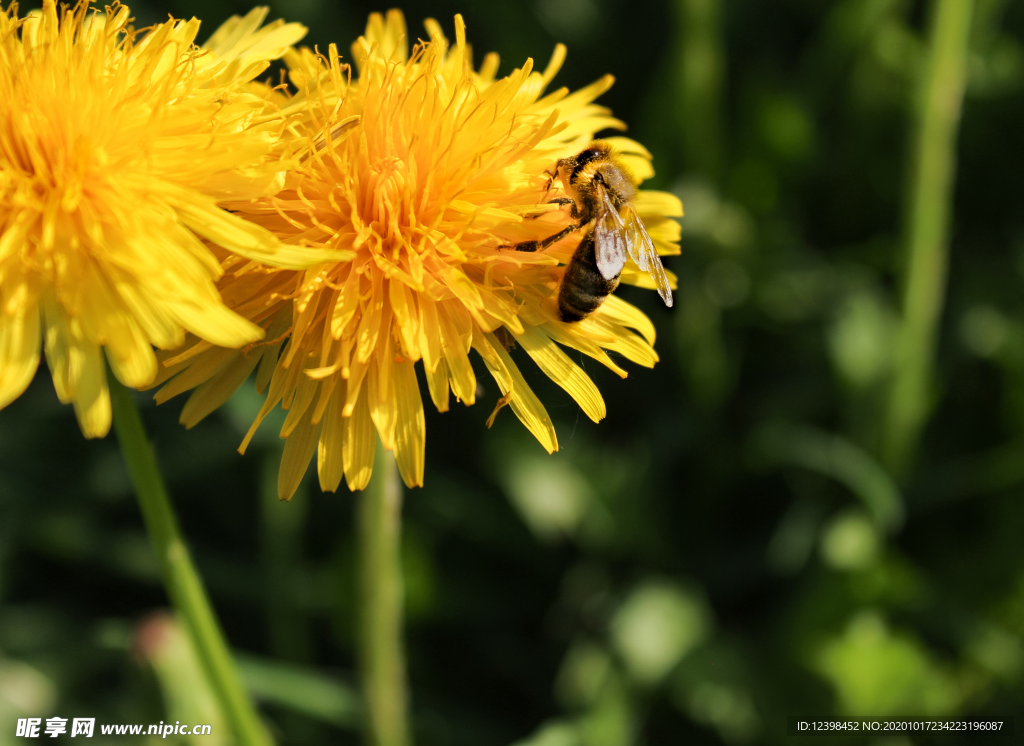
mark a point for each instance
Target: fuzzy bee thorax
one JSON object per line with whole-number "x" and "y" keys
{"x": 593, "y": 171}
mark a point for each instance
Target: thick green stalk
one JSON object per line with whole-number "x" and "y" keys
{"x": 183, "y": 584}
{"x": 927, "y": 219}
{"x": 380, "y": 607}
{"x": 700, "y": 68}
{"x": 701, "y": 71}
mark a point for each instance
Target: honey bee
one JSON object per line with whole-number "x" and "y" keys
{"x": 602, "y": 192}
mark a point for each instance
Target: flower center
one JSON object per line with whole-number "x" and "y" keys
{"x": 389, "y": 184}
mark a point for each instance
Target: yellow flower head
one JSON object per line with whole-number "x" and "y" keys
{"x": 115, "y": 148}
{"x": 427, "y": 170}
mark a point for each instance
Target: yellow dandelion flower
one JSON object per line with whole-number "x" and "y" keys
{"x": 116, "y": 147}
{"x": 427, "y": 169}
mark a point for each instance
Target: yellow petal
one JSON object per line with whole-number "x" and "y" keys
{"x": 298, "y": 451}
{"x": 330, "y": 462}
{"x": 632, "y": 275}
{"x": 524, "y": 402}
{"x": 380, "y": 398}
{"x": 159, "y": 327}
{"x": 92, "y": 399}
{"x": 562, "y": 370}
{"x": 63, "y": 353}
{"x": 463, "y": 379}
{"x": 411, "y": 426}
{"x": 104, "y": 319}
{"x": 229, "y": 34}
{"x": 554, "y": 64}
{"x": 19, "y": 351}
{"x": 429, "y": 334}
{"x": 202, "y": 369}
{"x": 628, "y": 146}
{"x": 210, "y": 395}
{"x": 666, "y": 204}
{"x": 406, "y": 318}
{"x": 274, "y": 395}
{"x": 663, "y": 229}
{"x": 629, "y": 345}
{"x": 304, "y": 393}
{"x": 437, "y": 382}
{"x": 640, "y": 167}
{"x": 558, "y": 332}
{"x": 138, "y": 368}
{"x": 267, "y": 364}
{"x": 247, "y": 239}
{"x": 360, "y": 445}
{"x": 215, "y": 324}
{"x": 619, "y": 311}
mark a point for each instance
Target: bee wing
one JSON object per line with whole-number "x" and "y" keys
{"x": 641, "y": 249}
{"x": 609, "y": 238}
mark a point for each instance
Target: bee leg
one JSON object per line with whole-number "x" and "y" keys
{"x": 573, "y": 211}
{"x": 551, "y": 181}
{"x": 559, "y": 236}
{"x": 544, "y": 242}
{"x": 521, "y": 246}
{"x": 557, "y": 201}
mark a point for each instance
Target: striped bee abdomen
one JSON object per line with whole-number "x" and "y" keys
{"x": 583, "y": 289}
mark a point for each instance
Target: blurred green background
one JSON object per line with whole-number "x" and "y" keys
{"x": 725, "y": 549}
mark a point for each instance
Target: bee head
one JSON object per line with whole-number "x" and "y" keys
{"x": 609, "y": 175}
{"x": 569, "y": 169}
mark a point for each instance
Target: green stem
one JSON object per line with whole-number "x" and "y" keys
{"x": 927, "y": 227}
{"x": 180, "y": 577}
{"x": 701, "y": 72}
{"x": 382, "y": 656}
